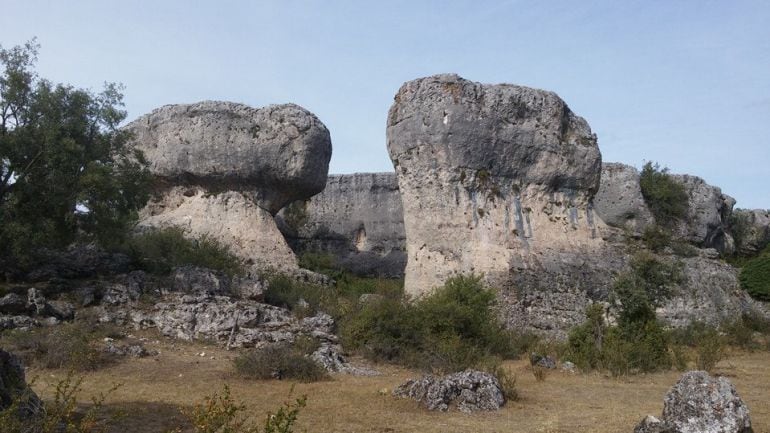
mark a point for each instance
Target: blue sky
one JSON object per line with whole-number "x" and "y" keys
{"x": 684, "y": 83}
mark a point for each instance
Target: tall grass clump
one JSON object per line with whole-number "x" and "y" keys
{"x": 279, "y": 361}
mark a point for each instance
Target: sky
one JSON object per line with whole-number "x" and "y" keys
{"x": 682, "y": 83}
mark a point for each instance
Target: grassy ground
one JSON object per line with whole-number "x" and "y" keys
{"x": 153, "y": 390}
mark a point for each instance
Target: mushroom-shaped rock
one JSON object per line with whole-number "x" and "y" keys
{"x": 279, "y": 153}
{"x": 488, "y": 175}
{"x": 225, "y": 169}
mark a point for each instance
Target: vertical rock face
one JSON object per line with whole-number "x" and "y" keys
{"x": 752, "y": 229}
{"x": 494, "y": 179}
{"x": 358, "y": 218}
{"x": 619, "y": 201}
{"x": 225, "y": 169}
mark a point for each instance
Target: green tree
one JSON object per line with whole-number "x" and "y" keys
{"x": 65, "y": 171}
{"x": 666, "y": 198}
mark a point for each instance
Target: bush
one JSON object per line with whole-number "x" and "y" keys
{"x": 755, "y": 276}
{"x": 220, "y": 413}
{"x": 278, "y": 361}
{"x": 450, "y": 330}
{"x": 159, "y": 251}
{"x": 656, "y": 238}
{"x": 666, "y": 198}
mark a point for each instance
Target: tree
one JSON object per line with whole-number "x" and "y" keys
{"x": 66, "y": 173}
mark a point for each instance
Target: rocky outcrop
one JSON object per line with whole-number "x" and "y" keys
{"x": 708, "y": 215}
{"x": 357, "y": 218}
{"x": 700, "y": 403}
{"x": 751, "y": 229}
{"x": 225, "y": 169}
{"x": 492, "y": 178}
{"x": 619, "y": 201}
{"x": 468, "y": 391}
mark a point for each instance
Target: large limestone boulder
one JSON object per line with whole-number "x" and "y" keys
{"x": 699, "y": 403}
{"x": 276, "y": 154}
{"x": 225, "y": 169}
{"x": 492, "y": 178}
{"x": 619, "y": 201}
{"x": 14, "y": 388}
{"x": 357, "y": 218}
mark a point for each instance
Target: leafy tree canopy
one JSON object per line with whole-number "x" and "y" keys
{"x": 65, "y": 171}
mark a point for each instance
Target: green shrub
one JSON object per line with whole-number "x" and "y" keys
{"x": 755, "y": 276}
{"x": 323, "y": 263}
{"x": 585, "y": 342}
{"x": 278, "y": 361}
{"x": 710, "y": 349}
{"x": 656, "y": 238}
{"x": 452, "y": 329}
{"x": 159, "y": 251}
{"x": 666, "y": 198}
{"x": 220, "y": 413}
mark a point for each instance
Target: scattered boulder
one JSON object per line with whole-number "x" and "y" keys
{"x": 468, "y": 391}
{"x": 492, "y": 178}
{"x": 225, "y": 169}
{"x": 619, "y": 201}
{"x": 36, "y": 302}
{"x": 543, "y": 361}
{"x": 18, "y": 322}
{"x": 61, "y": 310}
{"x": 357, "y": 219}
{"x": 700, "y": 403}
{"x": 330, "y": 357}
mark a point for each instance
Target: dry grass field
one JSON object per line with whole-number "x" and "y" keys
{"x": 154, "y": 389}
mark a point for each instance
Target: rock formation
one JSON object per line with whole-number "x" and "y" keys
{"x": 468, "y": 391}
{"x": 700, "y": 403}
{"x": 752, "y": 230}
{"x": 357, "y": 218}
{"x": 619, "y": 201}
{"x": 14, "y": 388}
{"x": 707, "y": 216}
{"x": 225, "y": 169}
{"x": 492, "y": 178}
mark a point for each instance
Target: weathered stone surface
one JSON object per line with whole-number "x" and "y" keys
{"x": 230, "y": 217}
{"x": 754, "y": 231}
{"x": 276, "y": 154}
{"x": 330, "y": 357}
{"x": 468, "y": 391}
{"x": 18, "y": 322}
{"x": 491, "y": 177}
{"x": 699, "y": 403}
{"x": 710, "y": 293}
{"x": 619, "y": 201}
{"x": 357, "y": 218}
{"x": 707, "y": 216}
{"x": 200, "y": 281}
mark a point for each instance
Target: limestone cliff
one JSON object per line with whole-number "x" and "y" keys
{"x": 357, "y": 218}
